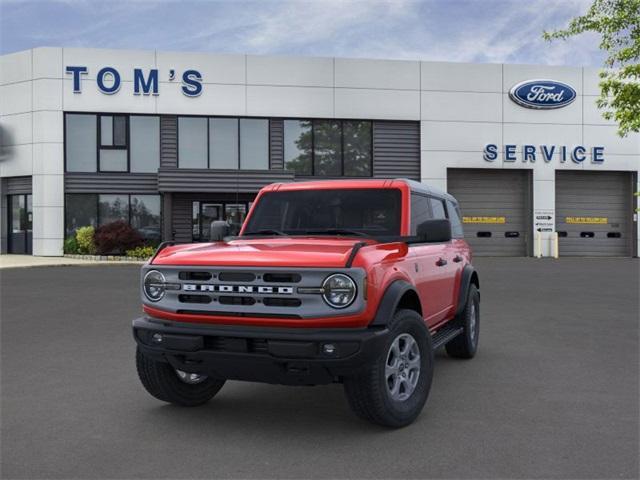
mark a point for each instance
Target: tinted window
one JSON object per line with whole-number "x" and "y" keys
{"x": 192, "y": 142}
{"x": 455, "y": 219}
{"x": 80, "y": 211}
{"x": 370, "y": 211}
{"x": 357, "y": 148}
{"x": 113, "y": 160}
{"x": 112, "y": 208}
{"x": 145, "y": 216}
{"x": 327, "y": 141}
{"x": 420, "y": 211}
{"x": 254, "y": 144}
{"x": 145, "y": 143}
{"x": 437, "y": 207}
{"x": 297, "y": 146}
{"x": 223, "y": 143}
{"x": 80, "y": 142}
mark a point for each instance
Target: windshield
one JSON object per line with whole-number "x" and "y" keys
{"x": 368, "y": 212}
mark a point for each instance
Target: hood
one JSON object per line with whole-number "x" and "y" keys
{"x": 317, "y": 252}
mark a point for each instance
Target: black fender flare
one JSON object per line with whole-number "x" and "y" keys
{"x": 390, "y": 300}
{"x": 468, "y": 274}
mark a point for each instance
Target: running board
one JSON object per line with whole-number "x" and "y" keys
{"x": 445, "y": 335}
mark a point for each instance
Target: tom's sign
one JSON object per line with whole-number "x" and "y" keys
{"x": 108, "y": 80}
{"x": 542, "y": 94}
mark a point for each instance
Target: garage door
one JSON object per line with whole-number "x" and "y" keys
{"x": 495, "y": 209}
{"x": 593, "y": 213}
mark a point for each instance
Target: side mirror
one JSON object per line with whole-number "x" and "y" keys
{"x": 434, "y": 231}
{"x": 218, "y": 230}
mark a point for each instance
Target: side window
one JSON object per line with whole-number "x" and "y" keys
{"x": 456, "y": 222}
{"x": 420, "y": 211}
{"x": 437, "y": 206}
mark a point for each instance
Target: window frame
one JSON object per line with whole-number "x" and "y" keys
{"x": 98, "y": 116}
{"x": 341, "y": 121}
{"x": 233, "y": 117}
{"x": 101, "y": 147}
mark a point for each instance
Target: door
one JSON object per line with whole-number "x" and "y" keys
{"x": 495, "y": 207}
{"x": 594, "y": 214}
{"x": 20, "y": 224}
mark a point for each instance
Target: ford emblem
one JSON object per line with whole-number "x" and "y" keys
{"x": 542, "y": 94}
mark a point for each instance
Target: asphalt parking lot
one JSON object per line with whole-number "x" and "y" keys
{"x": 553, "y": 392}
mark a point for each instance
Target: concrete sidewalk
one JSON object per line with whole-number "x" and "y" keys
{"x": 24, "y": 261}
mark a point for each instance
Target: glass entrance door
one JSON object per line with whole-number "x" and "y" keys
{"x": 204, "y": 213}
{"x": 20, "y": 224}
{"x": 209, "y": 213}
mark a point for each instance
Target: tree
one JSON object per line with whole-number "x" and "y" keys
{"x": 618, "y": 23}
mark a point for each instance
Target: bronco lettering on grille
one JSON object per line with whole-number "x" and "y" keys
{"x": 260, "y": 289}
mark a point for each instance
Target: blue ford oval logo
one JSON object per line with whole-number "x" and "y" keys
{"x": 542, "y": 94}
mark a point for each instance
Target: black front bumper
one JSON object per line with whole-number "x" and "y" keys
{"x": 260, "y": 354}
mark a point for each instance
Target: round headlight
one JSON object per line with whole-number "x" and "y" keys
{"x": 339, "y": 290}
{"x": 154, "y": 285}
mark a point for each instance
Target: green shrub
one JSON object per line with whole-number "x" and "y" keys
{"x": 86, "y": 244}
{"x": 141, "y": 252}
{"x": 70, "y": 245}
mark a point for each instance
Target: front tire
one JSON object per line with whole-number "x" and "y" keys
{"x": 165, "y": 383}
{"x": 465, "y": 345}
{"x": 393, "y": 390}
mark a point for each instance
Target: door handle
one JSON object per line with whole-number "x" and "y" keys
{"x": 457, "y": 259}
{"x": 441, "y": 262}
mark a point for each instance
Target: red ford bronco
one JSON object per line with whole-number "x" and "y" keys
{"x": 349, "y": 281}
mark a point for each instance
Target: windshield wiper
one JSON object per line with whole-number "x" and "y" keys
{"x": 266, "y": 231}
{"x": 336, "y": 231}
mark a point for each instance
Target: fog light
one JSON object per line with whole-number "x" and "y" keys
{"x": 329, "y": 348}
{"x": 157, "y": 338}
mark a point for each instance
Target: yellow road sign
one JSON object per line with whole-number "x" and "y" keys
{"x": 587, "y": 220}
{"x": 494, "y": 220}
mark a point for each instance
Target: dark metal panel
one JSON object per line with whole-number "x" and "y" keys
{"x": 181, "y": 218}
{"x": 168, "y": 141}
{"x": 202, "y": 180}
{"x": 18, "y": 185}
{"x": 110, "y": 183}
{"x": 590, "y": 196}
{"x": 494, "y": 193}
{"x": 396, "y": 150}
{"x": 276, "y": 144}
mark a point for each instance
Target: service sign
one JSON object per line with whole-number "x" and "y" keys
{"x": 542, "y": 94}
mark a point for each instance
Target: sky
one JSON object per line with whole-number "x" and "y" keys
{"x": 486, "y": 31}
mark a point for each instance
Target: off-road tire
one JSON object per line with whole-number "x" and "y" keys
{"x": 161, "y": 381}
{"x": 465, "y": 345}
{"x": 367, "y": 392}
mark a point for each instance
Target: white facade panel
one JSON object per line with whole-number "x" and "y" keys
{"x": 289, "y": 101}
{"x": 514, "y": 74}
{"x": 608, "y": 135}
{"x": 47, "y": 62}
{"x": 592, "y": 114}
{"x": 591, "y": 78}
{"x": 213, "y": 68}
{"x": 15, "y": 67}
{"x": 49, "y": 223}
{"x": 48, "y": 191}
{"x": 461, "y": 77}
{"x": 48, "y": 247}
{"x": 514, "y": 113}
{"x": 221, "y": 99}
{"x": 542, "y": 134}
{"x": 16, "y": 161}
{"x": 15, "y": 98}
{"x": 48, "y": 158}
{"x": 92, "y": 100}
{"x": 288, "y": 71}
{"x": 95, "y": 59}
{"x": 460, "y": 136}
{"x": 48, "y": 126}
{"x": 384, "y": 74}
{"x": 377, "y": 104}
{"x": 461, "y": 106}
{"x": 16, "y": 129}
{"x": 47, "y": 94}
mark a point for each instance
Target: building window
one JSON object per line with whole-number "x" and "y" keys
{"x": 205, "y": 213}
{"x": 297, "y": 146}
{"x": 142, "y": 212}
{"x": 80, "y": 142}
{"x": 144, "y": 143}
{"x": 112, "y": 143}
{"x": 254, "y": 144}
{"x": 223, "y": 143}
{"x": 329, "y": 148}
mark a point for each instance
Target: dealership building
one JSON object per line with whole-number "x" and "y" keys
{"x": 171, "y": 141}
